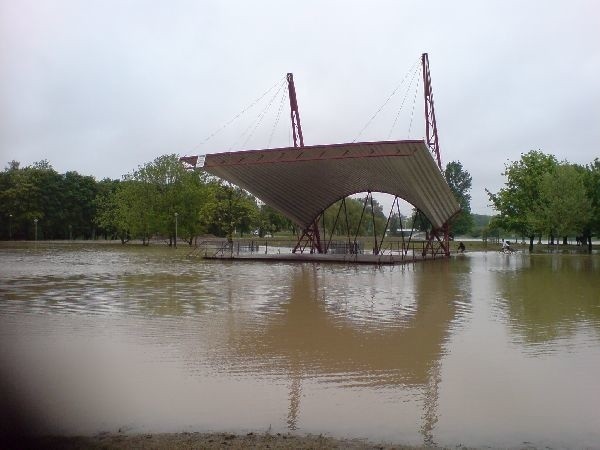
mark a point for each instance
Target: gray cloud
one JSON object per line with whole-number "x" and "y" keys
{"x": 104, "y": 86}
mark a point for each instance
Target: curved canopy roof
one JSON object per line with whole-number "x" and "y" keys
{"x": 301, "y": 182}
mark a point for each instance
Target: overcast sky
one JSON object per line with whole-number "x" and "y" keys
{"x": 101, "y": 87}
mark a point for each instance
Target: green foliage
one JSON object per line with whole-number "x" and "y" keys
{"x": 141, "y": 206}
{"x": 518, "y": 199}
{"x": 460, "y": 182}
{"x": 230, "y": 209}
{"x": 481, "y": 223}
{"x": 397, "y": 224}
{"x": 360, "y": 218}
{"x": 562, "y": 208}
{"x": 591, "y": 181}
{"x": 145, "y": 202}
{"x": 419, "y": 222}
{"x": 540, "y": 196}
{"x": 481, "y": 220}
{"x": 106, "y": 211}
{"x": 63, "y": 204}
{"x": 79, "y": 194}
{"x": 544, "y": 197}
{"x": 271, "y": 221}
{"x": 73, "y": 206}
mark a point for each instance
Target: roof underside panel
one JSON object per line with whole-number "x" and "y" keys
{"x": 302, "y": 182}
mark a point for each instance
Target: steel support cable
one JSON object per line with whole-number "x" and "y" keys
{"x": 412, "y": 79}
{"x": 387, "y": 223}
{"x": 401, "y": 230}
{"x": 347, "y": 225}
{"x": 411, "y": 70}
{"x": 257, "y": 121}
{"x": 281, "y": 102}
{"x": 262, "y": 115}
{"x": 413, "y": 226}
{"x": 333, "y": 229}
{"x": 238, "y": 115}
{"x": 324, "y": 231}
{"x": 376, "y": 249}
{"x": 362, "y": 215}
{"x": 412, "y": 112}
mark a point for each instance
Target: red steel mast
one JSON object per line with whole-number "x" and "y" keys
{"x": 442, "y": 234}
{"x": 430, "y": 124}
{"x": 310, "y": 235}
{"x": 294, "y": 114}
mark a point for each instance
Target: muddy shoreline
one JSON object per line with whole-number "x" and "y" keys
{"x": 204, "y": 441}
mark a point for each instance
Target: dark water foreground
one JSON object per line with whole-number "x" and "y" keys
{"x": 481, "y": 350}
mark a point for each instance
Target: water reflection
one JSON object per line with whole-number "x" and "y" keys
{"x": 349, "y": 327}
{"x": 552, "y": 299}
{"x": 316, "y": 332}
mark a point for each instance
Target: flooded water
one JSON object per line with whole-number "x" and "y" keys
{"x": 481, "y": 350}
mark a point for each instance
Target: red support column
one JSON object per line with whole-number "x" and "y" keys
{"x": 294, "y": 113}
{"x": 431, "y": 133}
{"x": 310, "y": 233}
{"x": 430, "y": 122}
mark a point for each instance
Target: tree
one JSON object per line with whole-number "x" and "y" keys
{"x": 192, "y": 196}
{"x": 34, "y": 192}
{"x": 360, "y": 218}
{"x": 106, "y": 209}
{"x": 271, "y": 221}
{"x": 396, "y": 224}
{"x": 592, "y": 185}
{"x": 115, "y": 209}
{"x": 63, "y": 204}
{"x": 518, "y": 199}
{"x": 229, "y": 209}
{"x": 480, "y": 225}
{"x": 562, "y": 208}
{"x": 419, "y": 221}
{"x": 460, "y": 181}
{"x": 78, "y": 195}
{"x": 145, "y": 202}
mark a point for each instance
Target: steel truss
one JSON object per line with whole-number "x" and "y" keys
{"x": 310, "y": 239}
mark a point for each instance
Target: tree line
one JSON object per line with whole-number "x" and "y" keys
{"x": 545, "y": 197}
{"x": 145, "y": 204}
{"x": 162, "y": 198}
{"x": 541, "y": 197}
{"x": 62, "y": 204}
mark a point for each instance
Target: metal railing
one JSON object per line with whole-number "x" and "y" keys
{"x": 353, "y": 251}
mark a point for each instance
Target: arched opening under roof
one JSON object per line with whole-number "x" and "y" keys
{"x": 387, "y": 221}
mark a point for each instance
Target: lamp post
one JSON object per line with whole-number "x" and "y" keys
{"x": 176, "y": 229}
{"x": 35, "y": 221}
{"x": 10, "y": 227}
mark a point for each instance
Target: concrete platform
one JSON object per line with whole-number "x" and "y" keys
{"x": 326, "y": 258}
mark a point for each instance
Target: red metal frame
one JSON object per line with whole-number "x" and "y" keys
{"x": 294, "y": 114}
{"x": 433, "y": 143}
{"x": 430, "y": 123}
{"x": 310, "y": 235}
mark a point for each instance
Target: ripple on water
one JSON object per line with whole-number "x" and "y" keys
{"x": 302, "y": 345}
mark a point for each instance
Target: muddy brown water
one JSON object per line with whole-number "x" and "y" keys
{"x": 481, "y": 350}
